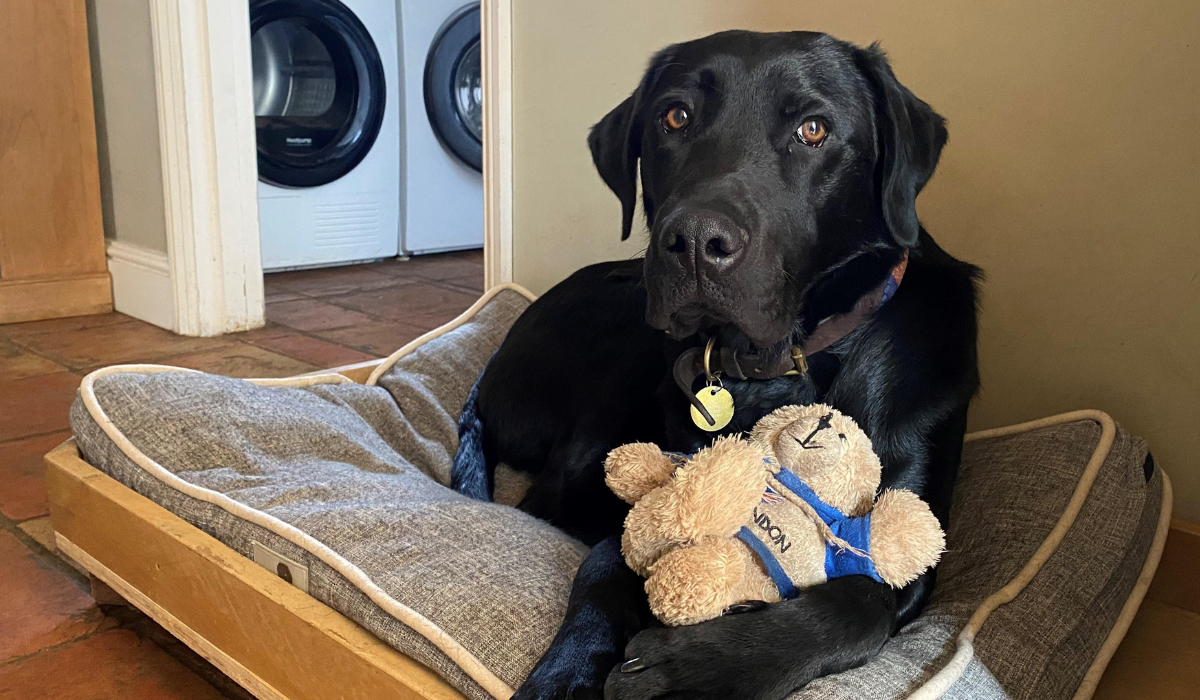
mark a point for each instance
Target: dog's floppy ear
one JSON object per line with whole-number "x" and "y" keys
{"x": 910, "y": 137}
{"x": 616, "y": 143}
{"x": 616, "y": 146}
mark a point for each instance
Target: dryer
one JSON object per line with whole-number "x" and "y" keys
{"x": 442, "y": 204}
{"x": 327, "y": 105}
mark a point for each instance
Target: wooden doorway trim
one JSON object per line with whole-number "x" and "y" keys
{"x": 210, "y": 172}
{"x": 498, "y": 141}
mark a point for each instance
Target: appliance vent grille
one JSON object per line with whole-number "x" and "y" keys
{"x": 345, "y": 223}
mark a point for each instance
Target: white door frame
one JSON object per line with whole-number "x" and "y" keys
{"x": 207, "y": 139}
{"x": 210, "y": 170}
{"x": 497, "y": 50}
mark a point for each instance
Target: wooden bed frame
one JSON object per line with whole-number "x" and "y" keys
{"x": 281, "y": 644}
{"x": 273, "y": 639}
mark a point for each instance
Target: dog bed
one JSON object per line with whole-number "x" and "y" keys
{"x": 1055, "y": 530}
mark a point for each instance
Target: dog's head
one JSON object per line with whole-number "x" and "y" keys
{"x": 768, "y": 162}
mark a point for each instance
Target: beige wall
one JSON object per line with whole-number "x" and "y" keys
{"x": 1072, "y": 176}
{"x": 131, "y": 186}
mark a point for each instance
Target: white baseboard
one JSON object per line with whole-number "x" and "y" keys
{"x": 141, "y": 279}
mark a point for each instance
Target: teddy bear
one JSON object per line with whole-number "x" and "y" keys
{"x": 758, "y": 519}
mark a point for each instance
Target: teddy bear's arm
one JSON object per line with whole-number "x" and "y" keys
{"x": 906, "y": 538}
{"x": 634, "y": 470}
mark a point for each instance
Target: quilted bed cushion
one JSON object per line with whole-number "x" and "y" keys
{"x": 1056, "y": 526}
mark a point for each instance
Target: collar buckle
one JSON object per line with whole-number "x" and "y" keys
{"x": 799, "y": 360}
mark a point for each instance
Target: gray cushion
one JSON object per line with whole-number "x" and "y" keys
{"x": 1010, "y": 493}
{"x": 349, "y": 481}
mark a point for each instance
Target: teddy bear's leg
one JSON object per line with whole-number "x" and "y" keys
{"x": 906, "y": 538}
{"x": 634, "y": 470}
{"x": 698, "y": 583}
{"x": 652, "y": 528}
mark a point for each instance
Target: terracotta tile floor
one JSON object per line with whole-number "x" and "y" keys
{"x": 55, "y": 640}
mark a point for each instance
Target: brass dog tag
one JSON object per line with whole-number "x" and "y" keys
{"x": 719, "y": 404}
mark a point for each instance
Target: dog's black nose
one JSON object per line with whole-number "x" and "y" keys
{"x": 708, "y": 242}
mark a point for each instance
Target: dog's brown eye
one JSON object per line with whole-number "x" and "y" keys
{"x": 812, "y": 132}
{"x": 676, "y": 118}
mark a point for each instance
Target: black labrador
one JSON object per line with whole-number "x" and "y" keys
{"x": 779, "y": 175}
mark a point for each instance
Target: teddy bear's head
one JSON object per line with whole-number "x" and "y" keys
{"x": 827, "y": 450}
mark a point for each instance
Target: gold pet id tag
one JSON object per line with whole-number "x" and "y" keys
{"x": 719, "y": 404}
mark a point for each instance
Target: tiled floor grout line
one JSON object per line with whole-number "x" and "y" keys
{"x": 401, "y": 280}
{"x": 44, "y": 356}
{"x": 441, "y": 284}
{"x": 61, "y": 645}
{"x": 44, "y": 555}
{"x": 325, "y": 300}
{"x": 81, "y": 371}
{"x": 233, "y": 342}
{"x": 17, "y": 339}
{"x": 307, "y": 334}
{"x": 32, "y": 436}
{"x": 374, "y": 317}
{"x": 314, "y": 334}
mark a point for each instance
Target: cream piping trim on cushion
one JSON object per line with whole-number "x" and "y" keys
{"x": 1091, "y": 680}
{"x": 941, "y": 681}
{"x": 462, "y": 318}
{"x": 457, "y": 653}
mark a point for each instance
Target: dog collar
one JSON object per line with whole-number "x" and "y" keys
{"x": 694, "y": 361}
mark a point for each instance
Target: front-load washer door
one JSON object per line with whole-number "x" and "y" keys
{"x": 454, "y": 86}
{"x": 319, "y": 91}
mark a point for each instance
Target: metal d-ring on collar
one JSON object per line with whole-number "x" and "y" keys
{"x": 799, "y": 360}
{"x": 708, "y": 373}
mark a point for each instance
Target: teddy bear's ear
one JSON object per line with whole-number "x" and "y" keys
{"x": 768, "y": 428}
{"x": 634, "y": 470}
{"x": 906, "y": 538}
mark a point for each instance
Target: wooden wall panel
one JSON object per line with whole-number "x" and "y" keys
{"x": 50, "y": 222}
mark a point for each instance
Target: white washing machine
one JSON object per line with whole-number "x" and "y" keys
{"x": 327, "y": 105}
{"x": 442, "y": 206}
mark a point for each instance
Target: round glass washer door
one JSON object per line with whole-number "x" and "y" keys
{"x": 454, "y": 86}
{"x": 319, "y": 92}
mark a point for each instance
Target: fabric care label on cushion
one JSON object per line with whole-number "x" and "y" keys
{"x": 291, "y": 571}
{"x": 786, "y": 543}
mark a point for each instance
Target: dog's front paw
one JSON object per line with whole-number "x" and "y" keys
{"x": 562, "y": 684}
{"x": 720, "y": 659}
{"x": 662, "y": 662}
{"x": 557, "y": 692}
{"x": 568, "y": 672}
{"x": 763, "y": 653}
